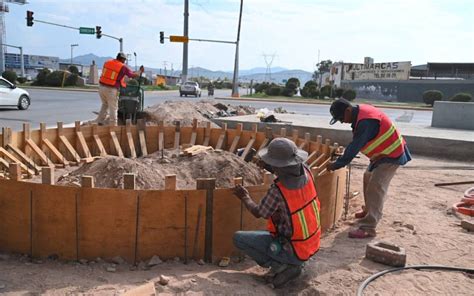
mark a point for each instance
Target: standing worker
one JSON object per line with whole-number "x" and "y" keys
{"x": 291, "y": 207}
{"x": 112, "y": 78}
{"x": 376, "y": 137}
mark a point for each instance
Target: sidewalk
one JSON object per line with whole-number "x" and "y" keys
{"x": 95, "y": 89}
{"x": 421, "y": 140}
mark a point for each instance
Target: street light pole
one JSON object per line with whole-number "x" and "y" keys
{"x": 235, "y": 84}
{"x": 72, "y": 47}
{"x": 184, "y": 73}
{"x": 135, "y": 54}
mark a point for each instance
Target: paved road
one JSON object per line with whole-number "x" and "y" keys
{"x": 51, "y": 106}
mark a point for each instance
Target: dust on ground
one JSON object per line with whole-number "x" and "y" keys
{"x": 185, "y": 111}
{"x": 417, "y": 216}
{"x": 151, "y": 170}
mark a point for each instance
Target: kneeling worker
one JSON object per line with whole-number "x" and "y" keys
{"x": 292, "y": 208}
{"x": 111, "y": 79}
{"x": 377, "y": 138}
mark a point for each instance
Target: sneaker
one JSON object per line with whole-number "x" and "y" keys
{"x": 361, "y": 214}
{"x": 362, "y": 233}
{"x": 290, "y": 273}
{"x": 274, "y": 271}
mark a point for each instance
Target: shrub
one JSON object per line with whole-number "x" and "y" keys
{"x": 71, "y": 80}
{"x": 311, "y": 83}
{"x": 461, "y": 97}
{"x": 288, "y": 92}
{"x": 273, "y": 90}
{"x": 325, "y": 91}
{"x": 55, "y": 78}
{"x": 41, "y": 77}
{"x": 261, "y": 87}
{"x": 310, "y": 89}
{"x": 338, "y": 92}
{"x": 349, "y": 94}
{"x": 10, "y": 76}
{"x": 73, "y": 69}
{"x": 293, "y": 83}
{"x": 21, "y": 79}
{"x": 430, "y": 96}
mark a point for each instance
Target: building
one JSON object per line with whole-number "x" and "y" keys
{"x": 32, "y": 63}
{"x": 166, "y": 80}
{"x": 443, "y": 71}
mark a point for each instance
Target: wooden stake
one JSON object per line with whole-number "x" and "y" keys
{"x": 81, "y": 141}
{"x": 305, "y": 145}
{"x": 194, "y": 132}
{"x": 142, "y": 137}
{"x": 294, "y": 136}
{"x": 250, "y": 143}
{"x": 130, "y": 143}
{"x": 177, "y": 134}
{"x": 129, "y": 181}
{"x": 161, "y": 136}
{"x": 116, "y": 143}
{"x": 207, "y": 134}
{"x": 235, "y": 141}
{"x": 208, "y": 184}
{"x": 13, "y": 159}
{"x": 66, "y": 144}
{"x": 268, "y": 138}
{"x": 15, "y": 171}
{"x": 6, "y": 136}
{"x": 267, "y": 178}
{"x": 283, "y": 132}
{"x": 98, "y": 143}
{"x": 87, "y": 181}
{"x": 47, "y": 175}
{"x": 28, "y": 161}
{"x": 222, "y": 137}
{"x": 170, "y": 182}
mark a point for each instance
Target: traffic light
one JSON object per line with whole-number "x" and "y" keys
{"x": 98, "y": 32}
{"x": 162, "y": 37}
{"x": 29, "y": 18}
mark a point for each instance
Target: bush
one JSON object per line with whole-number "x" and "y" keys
{"x": 261, "y": 87}
{"x": 338, "y": 92}
{"x": 461, "y": 97}
{"x": 73, "y": 69}
{"x": 71, "y": 80}
{"x": 21, "y": 79}
{"x": 273, "y": 90}
{"x": 349, "y": 94}
{"x": 325, "y": 91}
{"x": 310, "y": 89}
{"x": 288, "y": 92}
{"x": 10, "y": 76}
{"x": 55, "y": 78}
{"x": 293, "y": 83}
{"x": 41, "y": 77}
{"x": 430, "y": 96}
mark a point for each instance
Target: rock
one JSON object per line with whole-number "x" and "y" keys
{"x": 118, "y": 260}
{"x": 397, "y": 222}
{"x": 224, "y": 262}
{"x": 410, "y": 226}
{"x": 164, "y": 280}
{"x": 201, "y": 262}
{"x": 38, "y": 261}
{"x": 99, "y": 260}
{"x": 143, "y": 266}
{"x": 133, "y": 268}
{"x": 111, "y": 269}
{"x": 193, "y": 280}
{"x": 468, "y": 225}
{"x": 83, "y": 261}
{"x": 155, "y": 260}
{"x": 386, "y": 253}
{"x": 3, "y": 286}
{"x": 4, "y": 257}
{"x": 414, "y": 232}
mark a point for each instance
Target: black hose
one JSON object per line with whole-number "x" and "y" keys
{"x": 364, "y": 285}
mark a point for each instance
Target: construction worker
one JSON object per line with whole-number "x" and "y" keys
{"x": 374, "y": 135}
{"x": 291, "y": 207}
{"x": 112, "y": 78}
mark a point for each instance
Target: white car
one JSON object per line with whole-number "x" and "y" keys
{"x": 13, "y": 96}
{"x": 190, "y": 88}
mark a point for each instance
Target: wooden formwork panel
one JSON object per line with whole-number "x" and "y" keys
{"x": 249, "y": 221}
{"x": 167, "y": 224}
{"x": 15, "y": 217}
{"x": 54, "y": 221}
{"x": 107, "y": 223}
{"x": 331, "y": 190}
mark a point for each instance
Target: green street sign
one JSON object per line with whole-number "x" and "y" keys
{"x": 84, "y": 30}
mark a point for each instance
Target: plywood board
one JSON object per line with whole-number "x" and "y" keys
{"x": 329, "y": 190}
{"x": 107, "y": 223}
{"x": 54, "y": 222}
{"x": 249, "y": 221}
{"x": 15, "y": 216}
{"x": 163, "y": 233}
{"x": 72, "y": 152}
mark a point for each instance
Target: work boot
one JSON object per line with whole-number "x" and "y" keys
{"x": 290, "y": 273}
{"x": 361, "y": 214}
{"x": 274, "y": 270}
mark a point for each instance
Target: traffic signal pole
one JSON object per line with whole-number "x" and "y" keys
{"x": 184, "y": 73}
{"x": 22, "y": 61}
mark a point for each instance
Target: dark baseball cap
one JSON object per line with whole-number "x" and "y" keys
{"x": 338, "y": 107}
{"x": 121, "y": 55}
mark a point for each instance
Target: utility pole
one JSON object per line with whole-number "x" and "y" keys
{"x": 235, "y": 84}
{"x": 184, "y": 73}
{"x": 22, "y": 60}
{"x": 135, "y": 54}
{"x": 72, "y": 47}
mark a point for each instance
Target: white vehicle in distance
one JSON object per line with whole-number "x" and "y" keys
{"x": 13, "y": 96}
{"x": 190, "y": 88}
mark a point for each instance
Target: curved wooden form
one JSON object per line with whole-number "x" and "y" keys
{"x": 87, "y": 222}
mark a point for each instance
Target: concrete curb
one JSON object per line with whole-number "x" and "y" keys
{"x": 86, "y": 90}
{"x": 297, "y": 101}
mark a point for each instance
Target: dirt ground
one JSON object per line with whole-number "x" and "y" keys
{"x": 417, "y": 216}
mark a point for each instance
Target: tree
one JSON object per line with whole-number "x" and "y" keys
{"x": 310, "y": 89}
{"x": 41, "y": 77}
{"x": 73, "y": 69}
{"x": 461, "y": 97}
{"x": 324, "y": 66}
{"x": 10, "y": 76}
{"x": 349, "y": 94}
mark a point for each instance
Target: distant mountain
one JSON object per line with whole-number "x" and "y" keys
{"x": 278, "y": 74}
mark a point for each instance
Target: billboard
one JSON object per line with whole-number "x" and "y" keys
{"x": 376, "y": 71}
{"x": 13, "y": 60}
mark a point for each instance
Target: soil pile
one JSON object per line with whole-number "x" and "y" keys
{"x": 152, "y": 169}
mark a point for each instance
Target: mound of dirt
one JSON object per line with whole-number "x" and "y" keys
{"x": 152, "y": 169}
{"x": 171, "y": 111}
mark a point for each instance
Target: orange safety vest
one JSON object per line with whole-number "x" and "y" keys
{"x": 388, "y": 142}
{"x": 303, "y": 206}
{"x": 110, "y": 73}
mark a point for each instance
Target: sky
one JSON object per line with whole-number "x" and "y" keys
{"x": 293, "y": 31}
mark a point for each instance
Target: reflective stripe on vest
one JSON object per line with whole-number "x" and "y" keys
{"x": 110, "y": 73}
{"x": 388, "y": 142}
{"x": 303, "y": 206}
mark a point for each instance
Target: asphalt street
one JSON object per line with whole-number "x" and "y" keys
{"x": 51, "y": 106}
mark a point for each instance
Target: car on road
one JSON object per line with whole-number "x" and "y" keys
{"x": 190, "y": 88}
{"x": 13, "y": 96}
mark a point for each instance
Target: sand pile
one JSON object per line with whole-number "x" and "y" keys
{"x": 151, "y": 170}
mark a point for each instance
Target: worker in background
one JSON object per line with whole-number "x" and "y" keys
{"x": 210, "y": 89}
{"x": 112, "y": 78}
{"x": 376, "y": 137}
{"x": 291, "y": 207}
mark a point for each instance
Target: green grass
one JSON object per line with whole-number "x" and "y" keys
{"x": 158, "y": 88}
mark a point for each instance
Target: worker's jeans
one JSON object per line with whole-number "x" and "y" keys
{"x": 256, "y": 244}
{"x": 376, "y": 185}
{"x": 108, "y": 96}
